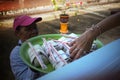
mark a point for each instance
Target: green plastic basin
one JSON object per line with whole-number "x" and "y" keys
{"x": 38, "y": 40}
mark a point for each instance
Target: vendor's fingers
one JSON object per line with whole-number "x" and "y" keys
{"x": 73, "y": 49}
{"x": 72, "y": 43}
{"x": 78, "y": 54}
{"x": 73, "y": 53}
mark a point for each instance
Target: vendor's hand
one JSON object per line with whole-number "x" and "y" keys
{"x": 81, "y": 45}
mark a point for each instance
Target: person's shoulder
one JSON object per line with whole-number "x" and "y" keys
{"x": 15, "y": 52}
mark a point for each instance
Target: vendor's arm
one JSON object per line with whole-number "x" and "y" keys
{"x": 20, "y": 70}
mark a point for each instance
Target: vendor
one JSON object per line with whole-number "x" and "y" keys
{"x": 24, "y": 27}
